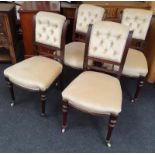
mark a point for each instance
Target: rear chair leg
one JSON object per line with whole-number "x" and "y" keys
{"x": 112, "y": 123}
{"x": 43, "y": 102}
{"x": 140, "y": 84}
{"x": 64, "y": 115}
{"x": 10, "y": 86}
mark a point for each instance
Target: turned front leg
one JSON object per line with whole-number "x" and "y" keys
{"x": 112, "y": 123}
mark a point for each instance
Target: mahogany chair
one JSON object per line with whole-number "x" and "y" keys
{"x": 38, "y": 73}
{"x": 99, "y": 93}
{"x": 136, "y": 66}
{"x": 74, "y": 51}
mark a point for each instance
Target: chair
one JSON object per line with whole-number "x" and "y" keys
{"x": 74, "y": 52}
{"x": 136, "y": 66}
{"x": 38, "y": 73}
{"x": 99, "y": 93}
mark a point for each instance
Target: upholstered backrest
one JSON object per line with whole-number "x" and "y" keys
{"x": 138, "y": 20}
{"x": 88, "y": 14}
{"x": 108, "y": 40}
{"x": 48, "y": 28}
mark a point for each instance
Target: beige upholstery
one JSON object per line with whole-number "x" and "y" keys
{"x": 88, "y": 14}
{"x": 108, "y": 40}
{"x": 36, "y": 73}
{"x": 74, "y": 51}
{"x": 135, "y": 64}
{"x": 49, "y": 28}
{"x": 95, "y": 93}
{"x": 74, "y": 54}
{"x": 138, "y": 20}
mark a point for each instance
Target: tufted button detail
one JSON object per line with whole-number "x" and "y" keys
{"x": 127, "y": 18}
{"x": 39, "y": 35}
{"x": 82, "y": 13}
{"x": 54, "y": 39}
{"x": 130, "y": 24}
{"x": 52, "y": 31}
{"x": 112, "y": 43}
{"x": 80, "y": 24}
{"x": 140, "y": 31}
{"x": 55, "y": 25}
{"x": 115, "y": 53}
{"x": 96, "y": 15}
{"x": 85, "y": 19}
{"x": 92, "y": 20}
{"x": 48, "y": 23}
{"x": 47, "y": 37}
{"x": 135, "y": 18}
{"x": 101, "y": 42}
{"x": 39, "y": 22}
{"x": 89, "y": 13}
{"x": 144, "y": 20}
{"x": 94, "y": 49}
{"x": 108, "y": 34}
{"x": 118, "y": 37}
{"x": 138, "y": 25}
{"x": 44, "y": 29}
{"x": 105, "y": 50}
{"x": 97, "y": 33}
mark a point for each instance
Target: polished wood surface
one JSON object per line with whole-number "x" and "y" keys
{"x": 8, "y": 33}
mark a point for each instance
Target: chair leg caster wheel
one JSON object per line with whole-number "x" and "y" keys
{"x": 63, "y": 130}
{"x": 133, "y": 100}
{"x": 108, "y": 143}
{"x": 12, "y": 104}
{"x": 43, "y": 114}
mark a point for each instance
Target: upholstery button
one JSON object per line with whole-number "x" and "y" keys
{"x": 118, "y": 37}
{"x": 97, "y": 33}
{"x": 140, "y": 31}
{"x": 54, "y": 39}
{"x": 96, "y": 15}
{"x": 80, "y": 24}
{"x": 138, "y": 25}
{"x": 89, "y": 13}
{"x": 130, "y": 24}
{"x": 144, "y": 20}
{"x": 115, "y": 53}
{"x": 39, "y": 22}
{"x": 52, "y": 31}
{"x": 44, "y": 29}
{"x": 94, "y": 49}
{"x": 127, "y": 18}
{"x": 112, "y": 43}
{"x": 48, "y": 23}
{"x": 82, "y": 13}
{"x": 85, "y": 19}
{"x": 47, "y": 37}
{"x": 105, "y": 50}
{"x": 101, "y": 42}
{"x": 108, "y": 34}
{"x": 135, "y": 18}
{"x": 39, "y": 35}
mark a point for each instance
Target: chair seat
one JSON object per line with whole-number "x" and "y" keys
{"x": 74, "y": 54}
{"x": 135, "y": 64}
{"x": 94, "y": 92}
{"x": 36, "y": 73}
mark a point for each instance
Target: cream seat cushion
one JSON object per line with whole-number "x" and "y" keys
{"x": 95, "y": 92}
{"x": 135, "y": 64}
{"x": 74, "y": 54}
{"x": 36, "y": 73}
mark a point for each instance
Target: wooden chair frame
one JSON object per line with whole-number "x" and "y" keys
{"x": 137, "y": 44}
{"x": 50, "y": 54}
{"x": 113, "y": 118}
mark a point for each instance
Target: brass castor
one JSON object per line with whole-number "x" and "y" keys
{"x": 43, "y": 114}
{"x": 63, "y": 130}
{"x": 12, "y": 103}
{"x": 108, "y": 144}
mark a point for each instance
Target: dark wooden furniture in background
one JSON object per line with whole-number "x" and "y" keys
{"x": 27, "y": 11}
{"x": 8, "y": 33}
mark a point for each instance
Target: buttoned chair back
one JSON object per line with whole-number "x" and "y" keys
{"x": 49, "y": 29}
{"x": 138, "y": 21}
{"x": 107, "y": 43}
{"x": 86, "y": 14}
